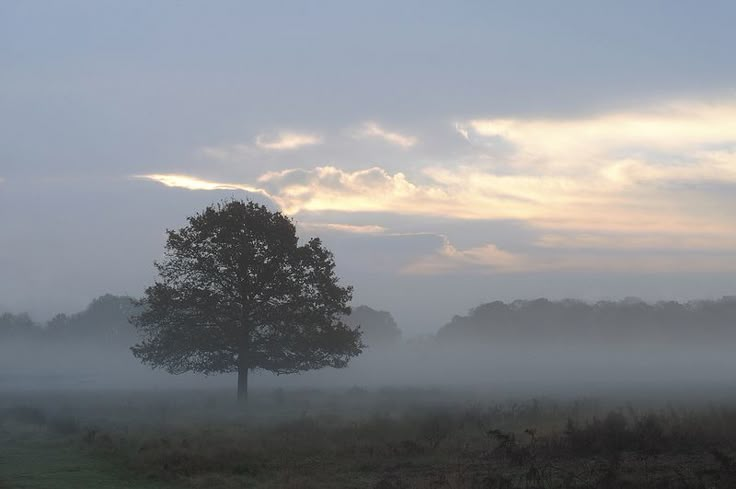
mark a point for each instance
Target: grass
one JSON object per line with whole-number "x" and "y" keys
{"x": 36, "y": 453}
{"x": 58, "y": 464}
{"x": 361, "y": 439}
{"x": 52, "y": 464}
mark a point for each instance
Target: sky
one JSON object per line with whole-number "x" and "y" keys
{"x": 448, "y": 153}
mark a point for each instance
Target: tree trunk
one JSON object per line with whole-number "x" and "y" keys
{"x": 243, "y": 359}
{"x": 242, "y": 382}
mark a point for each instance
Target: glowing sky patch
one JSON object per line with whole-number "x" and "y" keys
{"x": 346, "y": 228}
{"x": 674, "y": 127}
{"x": 194, "y": 183}
{"x": 625, "y": 180}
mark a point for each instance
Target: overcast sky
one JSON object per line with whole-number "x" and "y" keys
{"x": 449, "y": 153}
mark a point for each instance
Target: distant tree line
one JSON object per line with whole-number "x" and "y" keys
{"x": 106, "y": 322}
{"x": 609, "y": 322}
{"x": 18, "y": 326}
{"x": 379, "y": 327}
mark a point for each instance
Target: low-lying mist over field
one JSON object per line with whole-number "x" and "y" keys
{"x": 524, "y": 348}
{"x": 528, "y": 394}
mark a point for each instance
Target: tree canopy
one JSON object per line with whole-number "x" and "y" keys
{"x": 609, "y": 323}
{"x": 105, "y": 321}
{"x": 238, "y": 292}
{"x": 378, "y": 327}
{"x": 18, "y": 326}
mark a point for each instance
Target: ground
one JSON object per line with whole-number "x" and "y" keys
{"x": 354, "y": 438}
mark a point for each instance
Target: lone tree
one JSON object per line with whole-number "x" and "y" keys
{"x": 237, "y": 292}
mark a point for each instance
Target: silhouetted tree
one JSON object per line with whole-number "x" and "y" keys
{"x": 105, "y": 321}
{"x": 18, "y": 326}
{"x": 378, "y": 327}
{"x": 237, "y": 292}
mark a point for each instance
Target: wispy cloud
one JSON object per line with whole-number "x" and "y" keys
{"x": 700, "y": 241}
{"x": 463, "y": 131}
{"x": 597, "y": 221}
{"x": 345, "y": 228}
{"x": 282, "y": 141}
{"x": 449, "y": 259}
{"x": 563, "y": 142}
{"x": 374, "y": 130}
{"x": 663, "y": 178}
{"x": 490, "y": 258}
{"x": 552, "y": 202}
{"x": 194, "y": 183}
{"x": 286, "y": 140}
{"x": 331, "y": 188}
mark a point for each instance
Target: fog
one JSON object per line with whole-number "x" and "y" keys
{"x": 593, "y": 386}
{"x": 690, "y": 361}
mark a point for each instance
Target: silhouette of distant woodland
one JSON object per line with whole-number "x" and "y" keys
{"x": 106, "y": 322}
{"x": 378, "y": 327}
{"x": 607, "y": 322}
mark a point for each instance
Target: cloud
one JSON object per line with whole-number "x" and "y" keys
{"x": 286, "y": 140}
{"x": 563, "y": 202}
{"x": 345, "y": 228}
{"x": 583, "y": 226}
{"x": 280, "y": 141}
{"x": 490, "y": 258}
{"x": 703, "y": 166}
{"x": 548, "y": 202}
{"x": 701, "y": 241}
{"x": 194, "y": 183}
{"x": 330, "y": 188}
{"x": 373, "y": 130}
{"x": 657, "y": 179}
{"x": 463, "y": 131}
{"x": 570, "y": 142}
{"x": 449, "y": 258}
{"x": 461, "y": 193}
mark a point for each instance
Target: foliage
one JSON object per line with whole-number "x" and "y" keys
{"x": 379, "y": 327}
{"x": 605, "y": 322}
{"x": 106, "y": 320}
{"x": 236, "y": 292}
{"x": 18, "y": 326}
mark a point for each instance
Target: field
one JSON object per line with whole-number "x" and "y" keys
{"x": 355, "y": 438}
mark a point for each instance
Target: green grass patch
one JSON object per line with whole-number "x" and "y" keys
{"x": 42, "y": 460}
